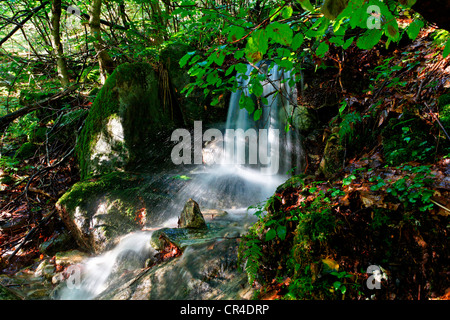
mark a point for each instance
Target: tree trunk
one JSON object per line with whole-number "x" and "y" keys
{"x": 57, "y": 45}
{"x": 105, "y": 62}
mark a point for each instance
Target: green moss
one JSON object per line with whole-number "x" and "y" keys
{"x": 26, "y": 151}
{"x": 85, "y": 190}
{"x": 333, "y": 156}
{"x": 131, "y": 95}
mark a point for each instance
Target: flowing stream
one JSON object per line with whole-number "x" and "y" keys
{"x": 229, "y": 187}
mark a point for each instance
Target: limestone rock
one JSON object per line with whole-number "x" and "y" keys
{"x": 126, "y": 118}
{"x": 191, "y": 216}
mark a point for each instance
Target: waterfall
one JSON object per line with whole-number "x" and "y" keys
{"x": 229, "y": 186}
{"x": 275, "y": 113}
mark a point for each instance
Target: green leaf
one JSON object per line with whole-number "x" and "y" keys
{"x": 239, "y": 54}
{"x": 446, "y": 51}
{"x": 318, "y": 28}
{"x": 281, "y": 232}
{"x": 348, "y": 43}
{"x": 257, "y": 46}
{"x": 246, "y": 103}
{"x": 271, "y": 234}
{"x": 280, "y": 33}
{"x": 186, "y": 58}
{"x": 236, "y": 33}
{"x": 414, "y": 29}
{"x": 339, "y": 41}
{"x": 369, "y": 39}
{"x": 337, "y": 285}
{"x": 322, "y": 49}
{"x": 306, "y": 5}
{"x": 257, "y": 114}
{"x": 257, "y": 88}
{"x": 297, "y": 41}
{"x": 219, "y": 57}
{"x": 286, "y": 13}
{"x": 229, "y": 70}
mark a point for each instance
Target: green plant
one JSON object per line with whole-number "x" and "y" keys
{"x": 251, "y": 254}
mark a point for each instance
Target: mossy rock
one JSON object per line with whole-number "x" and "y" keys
{"x": 333, "y": 156}
{"x": 99, "y": 210}
{"x": 26, "y": 151}
{"x": 126, "y": 117}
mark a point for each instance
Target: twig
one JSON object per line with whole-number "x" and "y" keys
{"x": 436, "y": 118}
{"x": 31, "y": 233}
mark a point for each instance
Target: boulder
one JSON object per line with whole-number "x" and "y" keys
{"x": 130, "y": 114}
{"x": 333, "y": 155}
{"x": 97, "y": 211}
{"x": 191, "y": 216}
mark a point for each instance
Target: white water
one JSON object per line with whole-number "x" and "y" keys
{"x": 95, "y": 272}
{"x": 227, "y": 187}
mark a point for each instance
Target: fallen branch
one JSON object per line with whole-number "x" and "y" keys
{"x": 31, "y": 233}
{"x": 10, "y": 117}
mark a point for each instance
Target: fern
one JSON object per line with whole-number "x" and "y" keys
{"x": 252, "y": 255}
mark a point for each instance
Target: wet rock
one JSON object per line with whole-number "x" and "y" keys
{"x": 99, "y": 210}
{"x": 204, "y": 271}
{"x": 191, "y": 216}
{"x": 7, "y": 294}
{"x": 70, "y": 257}
{"x": 179, "y": 237}
{"x": 45, "y": 270}
{"x": 58, "y": 242}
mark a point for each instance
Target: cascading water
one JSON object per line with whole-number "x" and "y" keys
{"x": 95, "y": 273}
{"x": 225, "y": 185}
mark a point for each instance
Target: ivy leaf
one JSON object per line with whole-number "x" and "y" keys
{"x": 280, "y": 33}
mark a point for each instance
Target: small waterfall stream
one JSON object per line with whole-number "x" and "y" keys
{"x": 232, "y": 188}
